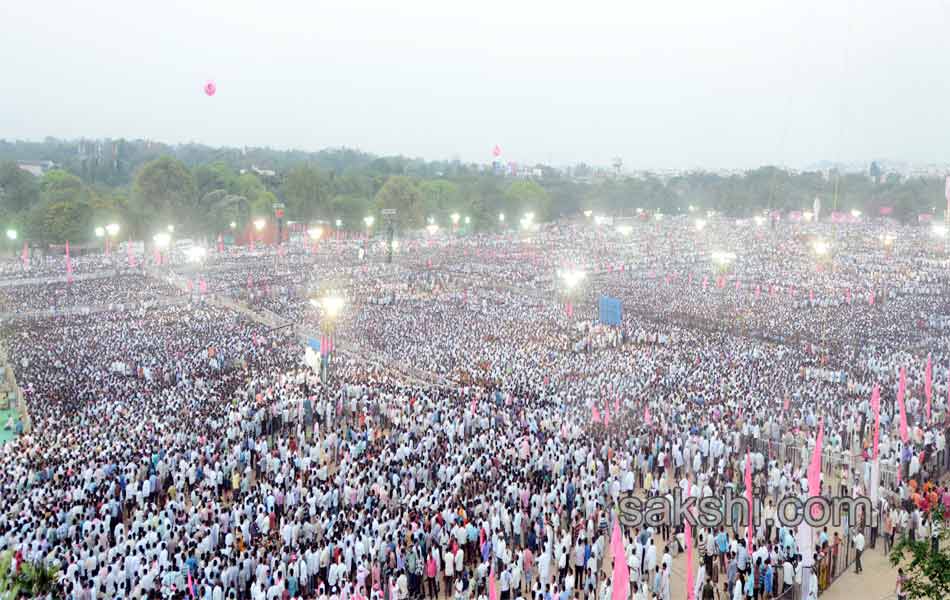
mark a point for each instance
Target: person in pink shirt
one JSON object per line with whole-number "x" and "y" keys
{"x": 431, "y": 570}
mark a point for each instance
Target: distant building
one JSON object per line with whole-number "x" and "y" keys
{"x": 36, "y": 168}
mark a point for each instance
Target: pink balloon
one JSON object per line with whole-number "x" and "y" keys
{"x": 210, "y": 88}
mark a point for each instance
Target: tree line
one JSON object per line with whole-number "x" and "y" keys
{"x": 202, "y": 190}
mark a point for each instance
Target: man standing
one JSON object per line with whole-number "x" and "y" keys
{"x": 858, "y": 541}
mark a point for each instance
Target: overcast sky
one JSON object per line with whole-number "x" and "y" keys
{"x": 661, "y": 84}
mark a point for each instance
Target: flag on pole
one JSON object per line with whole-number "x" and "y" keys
{"x": 26, "y": 255}
{"x": 688, "y": 534}
{"x": 492, "y": 590}
{"x": 876, "y": 411}
{"x": 646, "y": 416}
{"x": 220, "y": 243}
{"x": 595, "y": 414}
{"x": 607, "y": 415}
{"x": 901, "y": 390}
{"x": 928, "y": 385}
{"x": 621, "y": 577}
{"x": 69, "y": 264}
{"x": 748, "y": 497}
{"x": 128, "y": 248}
{"x": 814, "y": 469}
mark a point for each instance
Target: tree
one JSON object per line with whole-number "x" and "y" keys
{"x": 401, "y": 193}
{"x": 59, "y": 186}
{"x": 528, "y": 196}
{"x": 216, "y": 176}
{"x": 440, "y": 197}
{"x": 18, "y": 189}
{"x": 164, "y": 190}
{"x": 307, "y": 190}
{"x": 58, "y": 222}
{"x": 927, "y": 571}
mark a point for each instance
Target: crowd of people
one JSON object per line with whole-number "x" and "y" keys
{"x": 185, "y": 450}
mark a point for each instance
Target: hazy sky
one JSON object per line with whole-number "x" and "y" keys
{"x": 658, "y": 83}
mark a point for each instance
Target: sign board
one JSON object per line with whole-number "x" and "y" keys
{"x": 389, "y": 211}
{"x": 610, "y": 310}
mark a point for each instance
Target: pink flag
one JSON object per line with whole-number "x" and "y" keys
{"x": 748, "y": 497}
{"x": 758, "y": 291}
{"x": 876, "y": 411}
{"x": 646, "y": 416}
{"x": 847, "y": 295}
{"x": 901, "y": 390}
{"x": 811, "y": 296}
{"x": 787, "y": 402}
{"x": 190, "y": 285}
{"x": 595, "y": 416}
{"x": 158, "y": 256}
{"x": 26, "y": 255}
{"x": 814, "y": 469}
{"x": 203, "y": 286}
{"x": 737, "y": 284}
{"x": 69, "y": 264}
{"x": 128, "y": 247}
{"x": 191, "y": 583}
{"x": 871, "y": 298}
{"x": 492, "y": 592}
{"x": 705, "y": 281}
{"x": 220, "y": 243}
{"x": 621, "y": 577}
{"x": 607, "y": 415}
{"x": 690, "y": 591}
{"x": 108, "y": 246}
{"x": 928, "y": 385}
{"x": 570, "y": 309}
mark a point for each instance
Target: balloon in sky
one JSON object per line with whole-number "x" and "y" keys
{"x": 496, "y": 151}
{"x": 210, "y": 88}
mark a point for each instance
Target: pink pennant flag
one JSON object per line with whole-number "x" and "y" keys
{"x": 108, "y": 246}
{"x": 191, "y": 583}
{"x": 69, "y": 264}
{"x": 190, "y": 285}
{"x": 690, "y": 585}
{"x": 26, "y": 255}
{"x": 647, "y": 418}
{"x": 901, "y": 390}
{"x": 720, "y": 282}
{"x": 748, "y": 497}
{"x": 220, "y": 243}
{"x": 871, "y": 298}
{"x": 811, "y": 296}
{"x": 621, "y": 576}
{"x": 203, "y": 286}
{"x": 705, "y": 281}
{"x": 758, "y": 291}
{"x": 607, "y": 415}
{"x": 616, "y": 404}
{"x": 737, "y": 285}
{"x": 876, "y": 411}
{"x": 814, "y": 469}
{"x": 570, "y": 309}
{"x": 158, "y": 256}
{"x": 595, "y": 414}
{"x": 492, "y": 590}
{"x": 128, "y": 248}
{"x": 847, "y": 295}
{"x": 928, "y": 385}
{"x": 690, "y": 281}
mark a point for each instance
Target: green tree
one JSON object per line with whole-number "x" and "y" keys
{"x": 58, "y": 222}
{"x": 528, "y": 196}
{"x": 927, "y": 571}
{"x": 18, "y": 189}
{"x": 164, "y": 191}
{"x": 441, "y": 197}
{"x": 59, "y": 186}
{"x": 401, "y": 193}
{"x": 307, "y": 190}
{"x": 215, "y": 176}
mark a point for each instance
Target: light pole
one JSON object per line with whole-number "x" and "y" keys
{"x": 330, "y": 307}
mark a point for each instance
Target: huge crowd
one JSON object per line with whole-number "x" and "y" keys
{"x": 480, "y": 426}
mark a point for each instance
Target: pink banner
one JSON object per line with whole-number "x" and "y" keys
{"x": 748, "y": 497}
{"x": 885, "y": 210}
{"x": 814, "y": 469}
{"x": 876, "y": 411}
{"x": 928, "y": 386}
{"x": 901, "y": 390}
{"x": 621, "y": 576}
{"x": 69, "y": 264}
